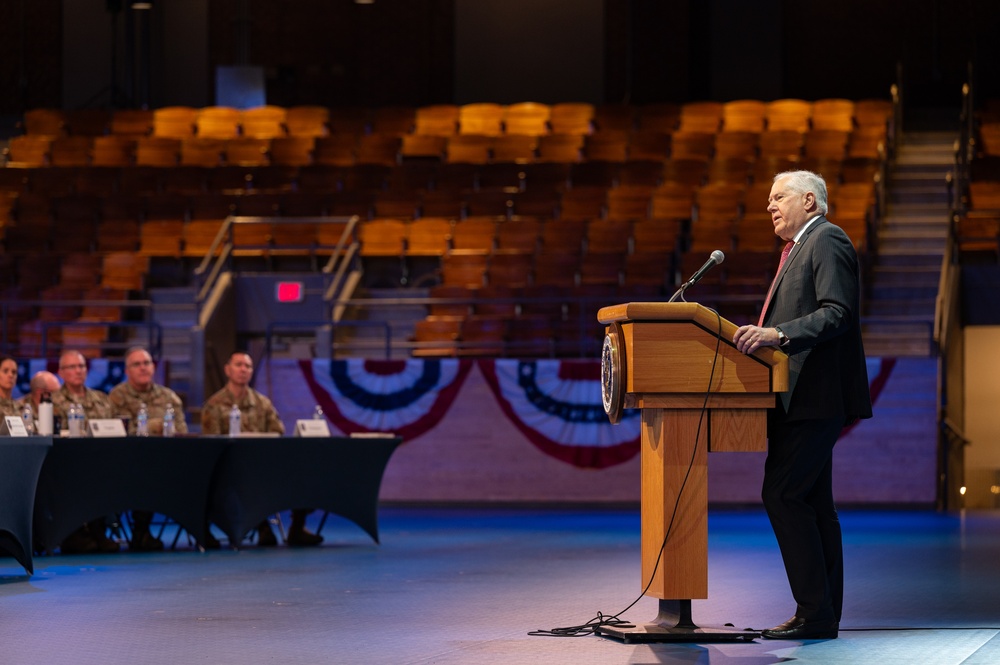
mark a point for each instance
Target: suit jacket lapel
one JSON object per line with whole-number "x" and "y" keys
{"x": 796, "y": 250}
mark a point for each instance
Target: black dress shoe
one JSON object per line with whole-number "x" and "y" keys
{"x": 78, "y": 542}
{"x": 144, "y": 541}
{"x": 303, "y": 538}
{"x": 266, "y": 537}
{"x": 800, "y": 629}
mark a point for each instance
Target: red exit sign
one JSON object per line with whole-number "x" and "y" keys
{"x": 289, "y": 292}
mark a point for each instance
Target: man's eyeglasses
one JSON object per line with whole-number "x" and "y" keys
{"x": 81, "y": 366}
{"x": 140, "y": 363}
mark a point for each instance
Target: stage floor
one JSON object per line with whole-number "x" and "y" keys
{"x": 467, "y": 586}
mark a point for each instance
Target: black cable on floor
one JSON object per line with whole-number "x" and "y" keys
{"x": 613, "y": 620}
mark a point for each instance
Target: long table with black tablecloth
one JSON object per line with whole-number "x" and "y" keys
{"x": 21, "y": 461}
{"x": 235, "y": 483}
{"x": 83, "y": 479}
{"x": 257, "y": 477}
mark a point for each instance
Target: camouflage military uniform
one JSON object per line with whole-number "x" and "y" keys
{"x": 10, "y": 407}
{"x": 125, "y": 401}
{"x": 95, "y": 404}
{"x": 258, "y": 413}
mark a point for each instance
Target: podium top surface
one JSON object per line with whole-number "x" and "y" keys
{"x": 690, "y": 312}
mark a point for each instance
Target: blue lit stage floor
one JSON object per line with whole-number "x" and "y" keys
{"x": 466, "y": 586}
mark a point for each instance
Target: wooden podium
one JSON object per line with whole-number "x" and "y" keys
{"x": 698, "y": 394}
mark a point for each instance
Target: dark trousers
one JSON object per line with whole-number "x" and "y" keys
{"x": 798, "y": 496}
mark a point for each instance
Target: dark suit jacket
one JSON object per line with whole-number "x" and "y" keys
{"x": 816, "y": 303}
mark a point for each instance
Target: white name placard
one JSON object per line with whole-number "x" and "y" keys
{"x": 13, "y": 426}
{"x": 312, "y": 427}
{"x": 106, "y": 427}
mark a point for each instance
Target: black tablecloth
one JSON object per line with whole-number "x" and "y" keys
{"x": 257, "y": 477}
{"x": 20, "y": 462}
{"x": 234, "y": 482}
{"x": 83, "y": 479}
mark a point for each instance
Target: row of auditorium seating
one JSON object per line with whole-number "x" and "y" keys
{"x": 35, "y": 223}
{"x": 32, "y": 151}
{"x": 490, "y": 119}
{"x": 419, "y": 179}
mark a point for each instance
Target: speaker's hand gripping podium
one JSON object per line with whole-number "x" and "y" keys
{"x": 661, "y": 358}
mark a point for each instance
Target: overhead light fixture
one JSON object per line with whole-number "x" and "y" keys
{"x": 364, "y": 2}
{"x": 142, "y": 5}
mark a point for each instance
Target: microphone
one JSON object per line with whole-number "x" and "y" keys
{"x": 716, "y": 258}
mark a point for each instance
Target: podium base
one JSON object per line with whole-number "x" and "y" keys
{"x": 673, "y": 624}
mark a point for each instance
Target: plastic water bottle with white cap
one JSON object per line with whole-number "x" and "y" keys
{"x": 29, "y": 419}
{"x": 142, "y": 421}
{"x": 318, "y": 413}
{"x": 235, "y": 419}
{"x": 75, "y": 416}
{"x": 168, "y": 421}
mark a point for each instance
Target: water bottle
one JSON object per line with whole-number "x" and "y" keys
{"x": 142, "y": 421}
{"x": 234, "y": 420}
{"x": 45, "y": 415}
{"x": 29, "y": 419}
{"x": 75, "y": 417}
{"x": 168, "y": 421}
{"x": 318, "y": 413}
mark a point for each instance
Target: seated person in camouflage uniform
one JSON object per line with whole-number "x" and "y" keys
{"x": 126, "y": 399}
{"x": 257, "y": 415}
{"x": 92, "y": 536}
{"x": 8, "y": 379}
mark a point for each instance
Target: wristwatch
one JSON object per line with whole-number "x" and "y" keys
{"x": 782, "y": 337}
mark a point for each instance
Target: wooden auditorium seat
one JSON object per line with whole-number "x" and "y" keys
{"x": 663, "y": 118}
{"x": 571, "y": 118}
{"x": 28, "y": 150}
{"x": 307, "y": 121}
{"x": 484, "y": 119}
{"x": 469, "y": 148}
{"x": 48, "y": 122}
{"x": 113, "y": 150}
{"x": 704, "y": 117}
{"x": 71, "y": 151}
{"x": 436, "y": 336}
{"x": 218, "y": 122}
{"x": 465, "y": 267}
{"x": 528, "y": 118}
{"x": 482, "y": 335}
{"x": 833, "y": 114}
{"x": 743, "y": 115}
{"x": 436, "y": 120}
{"x": 176, "y": 122}
{"x": 263, "y": 122}
{"x": 132, "y": 122}
{"x": 789, "y": 114}
{"x": 248, "y": 151}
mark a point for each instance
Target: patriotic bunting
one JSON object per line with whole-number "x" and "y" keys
{"x": 405, "y": 397}
{"x": 557, "y": 405}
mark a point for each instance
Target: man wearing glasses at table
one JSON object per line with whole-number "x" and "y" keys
{"x": 74, "y": 390}
{"x": 92, "y": 536}
{"x": 126, "y": 399}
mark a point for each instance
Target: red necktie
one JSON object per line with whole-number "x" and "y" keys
{"x": 767, "y": 301}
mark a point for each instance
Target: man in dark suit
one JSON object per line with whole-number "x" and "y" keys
{"x": 811, "y": 313}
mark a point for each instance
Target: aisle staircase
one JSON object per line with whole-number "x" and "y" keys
{"x": 900, "y": 298}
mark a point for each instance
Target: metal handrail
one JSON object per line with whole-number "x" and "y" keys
{"x": 154, "y": 345}
{"x": 6, "y": 304}
{"x": 293, "y": 326}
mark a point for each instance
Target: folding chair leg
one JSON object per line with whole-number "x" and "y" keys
{"x": 276, "y": 520}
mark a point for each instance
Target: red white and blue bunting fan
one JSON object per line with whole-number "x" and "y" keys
{"x": 405, "y": 397}
{"x": 557, "y": 405}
